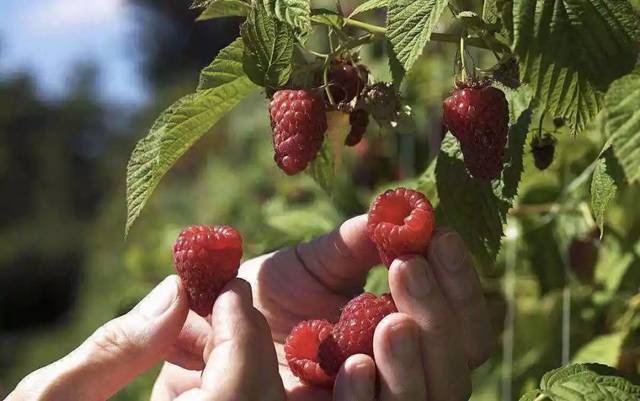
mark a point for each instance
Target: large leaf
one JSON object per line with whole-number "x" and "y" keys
{"x": 409, "y": 27}
{"x": 224, "y": 8}
{"x": 571, "y": 50}
{"x": 296, "y": 13}
{"x": 268, "y": 55}
{"x": 607, "y": 178}
{"x": 368, "y": 6}
{"x": 225, "y": 68}
{"x": 179, "y": 127}
{"x": 583, "y": 383}
{"x": 623, "y": 123}
{"x": 476, "y": 208}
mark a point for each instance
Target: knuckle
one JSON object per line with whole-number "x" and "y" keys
{"x": 113, "y": 339}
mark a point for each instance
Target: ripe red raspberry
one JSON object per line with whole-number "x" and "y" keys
{"x": 400, "y": 223}
{"x": 543, "y": 149}
{"x": 346, "y": 80}
{"x": 353, "y": 334}
{"x": 301, "y": 351}
{"x": 359, "y": 121}
{"x": 478, "y": 115}
{"x": 299, "y": 121}
{"x": 206, "y": 259}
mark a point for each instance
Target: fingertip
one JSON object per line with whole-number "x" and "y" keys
{"x": 410, "y": 278}
{"x": 356, "y": 379}
{"x": 236, "y": 294}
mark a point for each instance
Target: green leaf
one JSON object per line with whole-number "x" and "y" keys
{"x": 296, "y": 13}
{"x": 409, "y": 27}
{"x": 177, "y": 129}
{"x": 368, "y": 6}
{"x": 604, "y": 349}
{"x": 327, "y": 17}
{"x": 225, "y": 68}
{"x": 607, "y": 178}
{"x": 477, "y": 209}
{"x": 224, "y": 8}
{"x": 490, "y": 12}
{"x": 623, "y": 123}
{"x": 268, "y": 43}
{"x": 590, "y": 382}
{"x": 570, "y": 51}
{"x": 378, "y": 281}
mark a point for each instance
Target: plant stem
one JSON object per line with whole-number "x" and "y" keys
{"x": 463, "y": 66}
{"x": 435, "y": 36}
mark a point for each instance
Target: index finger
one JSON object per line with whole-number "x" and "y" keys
{"x": 341, "y": 259}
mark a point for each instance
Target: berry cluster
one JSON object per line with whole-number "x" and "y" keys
{"x": 316, "y": 349}
{"x": 400, "y": 222}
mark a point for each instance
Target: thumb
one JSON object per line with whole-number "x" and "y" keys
{"x": 117, "y": 352}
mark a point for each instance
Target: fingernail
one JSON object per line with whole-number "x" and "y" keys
{"x": 403, "y": 342}
{"x": 451, "y": 252}
{"x": 414, "y": 276}
{"x": 160, "y": 298}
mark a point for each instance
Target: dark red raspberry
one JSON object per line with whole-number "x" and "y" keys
{"x": 478, "y": 115}
{"x": 359, "y": 121}
{"x": 301, "y": 351}
{"x": 299, "y": 122}
{"x": 346, "y": 80}
{"x": 353, "y": 334}
{"x": 543, "y": 149}
{"x": 206, "y": 259}
{"x": 401, "y": 222}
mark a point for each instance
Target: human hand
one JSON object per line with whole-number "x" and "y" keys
{"x": 237, "y": 347}
{"x": 426, "y": 351}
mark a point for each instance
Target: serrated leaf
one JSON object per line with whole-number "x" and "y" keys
{"x": 224, "y": 8}
{"x": 324, "y": 167}
{"x": 268, "y": 42}
{"x": 570, "y": 51}
{"x": 296, "y": 13}
{"x": 490, "y": 11}
{"x": 623, "y": 123}
{"x": 409, "y": 27}
{"x": 177, "y": 129}
{"x": 477, "y": 209}
{"x": 590, "y": 382}
{"x": 368, "y": 6}
{"x": 226, "y": 67}
{"x": 604, "y": 185}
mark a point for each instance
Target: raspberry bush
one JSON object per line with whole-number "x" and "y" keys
{"x": 539, "y": 104}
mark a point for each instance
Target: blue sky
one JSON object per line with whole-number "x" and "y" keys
{"x": 49, "y": 37}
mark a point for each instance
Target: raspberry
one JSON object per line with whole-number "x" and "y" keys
{"x": 299, "y": 121}
{"x": 353, "y": 334}
{"x": 206, "y": 259}
{"x": 346, "y": 80}
{"x": 400, "y": 223}
{"x": 478, "y": 115}
{"x": 301, "y": 351}
{"x": 359, "y": 121}
{"x": 543, "y": 149}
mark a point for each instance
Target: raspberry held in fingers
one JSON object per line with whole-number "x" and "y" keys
{"x": 301, "y": 351}
{"x": 206, "y": 258}
{"x": 353, "y": 334}
{"x": 400, "y": 222}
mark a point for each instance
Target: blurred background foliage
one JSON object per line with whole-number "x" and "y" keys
{"x": 558, "y": 293}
